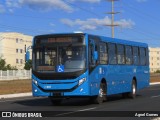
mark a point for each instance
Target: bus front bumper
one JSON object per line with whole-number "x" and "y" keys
{"x": 75, "y": 90}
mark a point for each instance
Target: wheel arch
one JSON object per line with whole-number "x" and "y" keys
{"x": 104, "y": 81}
{"x": 135, "y": 79}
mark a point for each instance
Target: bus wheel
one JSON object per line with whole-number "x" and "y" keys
{"x": 102, "y": 94}
{"x": 132, "y": 94}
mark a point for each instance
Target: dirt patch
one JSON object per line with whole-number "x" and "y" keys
{"x": 154, "y": 79}
{"x": 15, "y": 86}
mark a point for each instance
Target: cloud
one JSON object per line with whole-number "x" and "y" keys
{"x": 95, "y": 23}
{"x": 88, "y": 1}
{"x": 52, "y": 24}
{"x": 141, "y": 0}
{"x": 11, "y": 4}
{"x": 43, "y": 5}
{"x": 2, "y": 9}
{"x": 125, "y": 23}
{"x": 46, "y": 5}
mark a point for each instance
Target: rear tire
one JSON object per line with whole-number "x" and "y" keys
{"x": 133, "y": 92}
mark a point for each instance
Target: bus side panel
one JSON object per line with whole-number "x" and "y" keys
{"x": 94, "y": 81}
{"x": 143, "y": 77}
{"x": 119, "y": 79}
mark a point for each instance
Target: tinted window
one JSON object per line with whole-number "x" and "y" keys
{"x": 142, "y": 56}
{"x": 112, "y": 53}
{"x": 103, "y": 53}
{"x": 135, "y": 56}
{"x": 128, "y": 50}
{"x": 120, "y": 54}
{"x": 147, "y": 56}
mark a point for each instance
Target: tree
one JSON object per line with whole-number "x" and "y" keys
{"x": 28, "y": 65}
{"x": 4, "y": 67}
{"x": 158, "y": 71}
{"x": 2, "y": 64}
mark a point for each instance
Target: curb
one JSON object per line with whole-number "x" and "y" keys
{"x": 15, "y": 95}
{"x": 155, "y": 83}
{"x": 30, "y": 94}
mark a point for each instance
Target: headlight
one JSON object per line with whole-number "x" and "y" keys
{"x": 35, "y": 82}
{"x": 81, "y": 81}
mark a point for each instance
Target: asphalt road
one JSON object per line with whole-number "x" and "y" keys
{"x": 147, "y": 100}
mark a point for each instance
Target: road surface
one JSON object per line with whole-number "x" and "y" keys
{"x": 147, "y": 99}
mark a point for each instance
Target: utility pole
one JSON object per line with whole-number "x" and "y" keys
{"x": 112, "y": 25}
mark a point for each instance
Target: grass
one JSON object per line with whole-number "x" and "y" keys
{"x": 22, "y": 86}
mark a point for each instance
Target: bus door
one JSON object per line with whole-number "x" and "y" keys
{"x": 93, "y": 63}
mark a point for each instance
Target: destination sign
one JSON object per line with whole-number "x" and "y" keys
{"x": 59, "y": 40}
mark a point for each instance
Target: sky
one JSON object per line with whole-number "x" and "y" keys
{"x": 138, "y": 20}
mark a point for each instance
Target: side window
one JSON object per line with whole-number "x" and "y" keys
{"x": 142, "y": 56}
{"x": 91, "y": 49}
{"x": 120, "y": 54}
{"x": 135, "y": 56}
{"x": 128, "y": 51}
{"x": 147, "y": 56}
{"x": 112, "y": 53}
{"x": 103, "y": 53}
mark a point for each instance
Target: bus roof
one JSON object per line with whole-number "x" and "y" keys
{"x": 121, "y": 41}
{"x": 103, "y": 38}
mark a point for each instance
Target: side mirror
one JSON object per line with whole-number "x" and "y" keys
{"x": 95, "y": 56}
{"x": 27, "y": 56}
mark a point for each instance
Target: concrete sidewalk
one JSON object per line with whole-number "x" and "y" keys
{"x": 15, "y": 95}
{"x": 30, "y": 94}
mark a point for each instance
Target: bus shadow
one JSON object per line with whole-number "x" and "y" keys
{"x": 119, "y": 97}
{"x": 69, "y": 102}
{"x": 47, "y": 102}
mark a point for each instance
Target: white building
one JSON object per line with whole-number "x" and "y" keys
{"x": 154, "y": 58}
{"x": 12, "y": 48}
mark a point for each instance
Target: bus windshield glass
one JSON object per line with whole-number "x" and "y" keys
{"x": 57, "y": 56}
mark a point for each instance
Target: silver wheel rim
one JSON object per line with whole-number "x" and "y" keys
{"x": 134, "y": 89}
{"x": 100, "y": 92}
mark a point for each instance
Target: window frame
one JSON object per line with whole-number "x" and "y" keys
{"x": 115, "y": 54}
{"x": 145, "y": 56}
{"x": 131, "y": 63}
{"x": 137, "y": 64}
{"x": 106, "y": 45}
{"x": 17, "y": 61}
{"x": 123, "y": 53}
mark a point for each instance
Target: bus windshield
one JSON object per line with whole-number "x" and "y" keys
{"x": 71, "y": 57}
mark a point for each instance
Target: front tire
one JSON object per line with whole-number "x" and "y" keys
{"x": 101, "y": 95}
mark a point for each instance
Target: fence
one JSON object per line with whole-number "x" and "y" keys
{"x": 15, "y": 74}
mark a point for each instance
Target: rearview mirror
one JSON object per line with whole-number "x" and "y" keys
{"x": 95, "y": 56}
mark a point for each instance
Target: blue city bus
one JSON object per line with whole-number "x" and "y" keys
{"x": 85, "y": 65}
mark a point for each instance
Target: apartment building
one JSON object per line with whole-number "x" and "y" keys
{"x": 12, "y": 48}
{"x": 154, "y": 58}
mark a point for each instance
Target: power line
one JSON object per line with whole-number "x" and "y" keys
{"x": 86, "y": 10}
{"x": 29, "y": 16}
{"x": 144, "y": 13}
{"x": 138, "y": 12}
